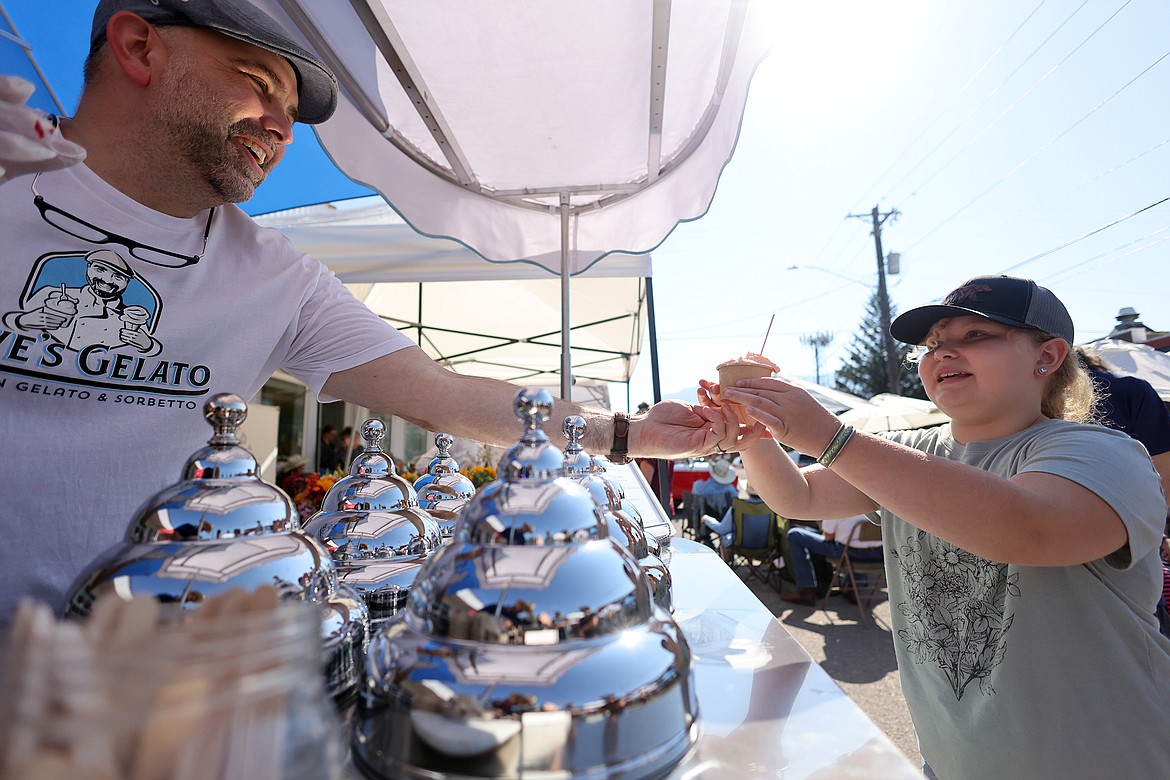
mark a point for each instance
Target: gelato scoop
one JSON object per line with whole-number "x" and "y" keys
{"x": 750, "y": 366}
{"x": 60, "y": 302}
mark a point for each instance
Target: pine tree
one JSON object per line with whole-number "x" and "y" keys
{"x": 863, "y": 371}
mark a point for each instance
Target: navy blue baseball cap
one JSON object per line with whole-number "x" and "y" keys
{"x": 1009, "y": 300}
{"x": 239, "y": 19}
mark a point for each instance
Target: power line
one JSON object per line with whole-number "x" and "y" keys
{"x": 1035, "y": 85}
{"x": 1079, "y": 268}
{"x": 1105, "y": 173}
{"x": 986, "y": 98}
{"x": 1038, "y": 152}
{"x": 1083, "y": 236}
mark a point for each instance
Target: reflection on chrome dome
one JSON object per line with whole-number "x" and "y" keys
{"x": 219, "y": 528}
{"x": 622, "y": 519}
{"x": 442, "y": 490}
{"x": 531, "y": 645}
{"x": 372, "y": 517}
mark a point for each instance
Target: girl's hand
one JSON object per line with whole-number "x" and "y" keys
{"x": 791, "y": 415}
{"x": 735, "y": 437}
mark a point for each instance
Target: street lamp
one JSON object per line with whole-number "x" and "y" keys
{"x": 816, "y": 341}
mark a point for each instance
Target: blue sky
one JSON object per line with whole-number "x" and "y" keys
{"x": 1018, "y": 136}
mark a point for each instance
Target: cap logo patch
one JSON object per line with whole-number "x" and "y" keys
{"x": 968, "y": 293}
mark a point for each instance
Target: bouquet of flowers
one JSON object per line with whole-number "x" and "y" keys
{"x": 479, "y": 475}
{"x": 307, "y": 491}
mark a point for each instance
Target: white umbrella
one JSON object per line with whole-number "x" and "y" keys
{"x": 1129, "y": 359}
{"x": 546, "y": 132}
{"x": 888, "y": 412}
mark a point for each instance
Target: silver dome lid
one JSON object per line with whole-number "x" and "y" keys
{"x": 372, "y": 483}
{"x": 530, "y": 503}
{"x": 220, "y": 495}
{"x": 528, "y": 644}
{"x": 442, "y": 490}
{"x": 221, "y": 527}
{"x": 377, "y": 554}
{"x": 442, "y": 463}
{"x": 625, "y": 527}
{"x": 528, "y": 595}
{"x": 374, "y": 529}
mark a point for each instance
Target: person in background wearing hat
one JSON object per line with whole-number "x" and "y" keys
{"x": 721, "y": 479}
{"x": 1021, "y": 545}
{"x": 187, "y": 106}
{"x": 724, "y": 527}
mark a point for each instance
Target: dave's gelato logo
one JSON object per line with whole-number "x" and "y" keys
{"x": 94, "y": 312}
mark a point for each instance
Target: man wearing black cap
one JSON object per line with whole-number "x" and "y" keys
{"x": 188, "y": 104}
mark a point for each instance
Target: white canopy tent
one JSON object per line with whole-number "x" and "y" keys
{"x": 1140, "y": 360}
{"x": 554, "y": 133}
{"x": 485, "y": 319}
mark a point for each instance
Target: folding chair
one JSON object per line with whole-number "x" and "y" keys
{"x": 847, "y": 568}
{"x": 755, "y": 542}
{"x": 698, "y": 505}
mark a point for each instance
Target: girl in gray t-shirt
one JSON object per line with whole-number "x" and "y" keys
{"x": 1021, "y": 542}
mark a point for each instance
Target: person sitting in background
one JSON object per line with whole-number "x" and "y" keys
{"x": 805, "y": 542}
{"x": 724, "y": 528}
{"x": 294, "y": 466}
{"x": 720, "y": 481}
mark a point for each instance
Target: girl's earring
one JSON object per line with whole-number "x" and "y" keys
{"x": 1042, "y": 370}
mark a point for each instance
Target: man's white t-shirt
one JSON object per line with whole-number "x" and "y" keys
{"x": 842, "y": 529}
{"x": 106, "y": 359}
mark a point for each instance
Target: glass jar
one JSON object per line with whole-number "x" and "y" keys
{"x": 219, "y": 694}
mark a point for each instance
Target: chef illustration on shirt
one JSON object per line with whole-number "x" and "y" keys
{"x": 92, "y": 314}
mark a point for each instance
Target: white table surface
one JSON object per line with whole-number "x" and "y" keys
{"x": 766, "y": 709}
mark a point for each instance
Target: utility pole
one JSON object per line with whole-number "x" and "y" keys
{"x": 816, "y": 341}
{"x": 879, "y": 219}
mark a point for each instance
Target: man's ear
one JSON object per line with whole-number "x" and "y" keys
{"x": 134, "y": 44}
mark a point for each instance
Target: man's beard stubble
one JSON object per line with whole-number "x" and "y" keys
{"x": 197, "y": 126}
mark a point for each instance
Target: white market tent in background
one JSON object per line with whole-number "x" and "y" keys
{"x": 888, "y": 412}
{"x": 1140, "y": 360}
{"x": 550, "y": 133}
{"x": 499, "y": 320}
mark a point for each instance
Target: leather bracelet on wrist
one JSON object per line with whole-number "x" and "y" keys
{"x": 619, "y": 452}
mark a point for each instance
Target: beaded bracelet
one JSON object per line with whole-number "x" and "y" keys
{"x": 844, "y": 434}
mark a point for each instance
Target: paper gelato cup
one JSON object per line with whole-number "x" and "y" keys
{"x": 742, "y": 368}
{"x": 134, "y": 316}
{"x": 63, "y": 305}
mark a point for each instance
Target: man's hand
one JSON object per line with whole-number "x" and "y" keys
{"x": 673, "y": 429}
{"x": 39, "y": 319}
{"x": 136, "y": 338}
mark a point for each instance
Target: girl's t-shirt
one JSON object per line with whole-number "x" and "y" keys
{"x": 1036, "y": 671}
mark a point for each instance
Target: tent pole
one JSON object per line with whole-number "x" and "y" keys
{"x": 656, "y": 382}
{"x": 664, "y": 471}
{"x": 566, "y": 360}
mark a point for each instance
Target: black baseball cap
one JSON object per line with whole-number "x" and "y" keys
{"x": 316, "y": 84}
{"x": 1010, "y": 300}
